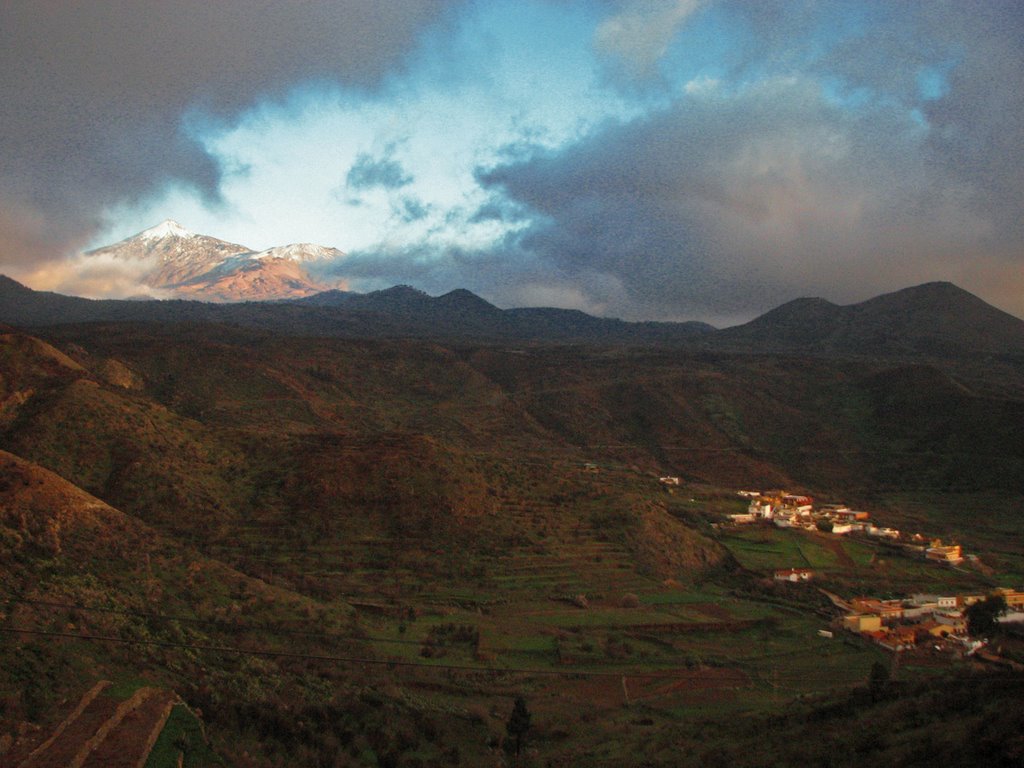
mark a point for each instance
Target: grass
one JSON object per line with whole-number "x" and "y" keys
{"x": 182, "y": 735}
{"x": 765, "y": 549}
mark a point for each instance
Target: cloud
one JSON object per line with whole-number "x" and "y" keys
{"x": 92, "y": 95}
{"x": 639, "y": 35}
{"x": 782, "y": 149}
{"x": 412, "y": 209}
{"x": 732, "y": 204}
{"x": 368, "y": 172}
{"x": 95, "y": 277}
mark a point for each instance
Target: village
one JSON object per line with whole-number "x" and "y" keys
{"x": 786, "y": 510}
{"x": 938, "y": 622}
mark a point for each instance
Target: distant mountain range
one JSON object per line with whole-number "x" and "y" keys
{"x": 184, "y": 264}
{"x": 401, "y": 311}
{"x": 937, "y": 320}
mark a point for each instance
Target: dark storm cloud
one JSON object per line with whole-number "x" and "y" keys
{"x": 735, "y": 199}
{"x": 368, "y": 172}
{"x": 92, "y": 93}
{"x": 978, "y": 127}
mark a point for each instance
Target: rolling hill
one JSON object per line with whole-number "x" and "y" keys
{"x": 399, "y": 531}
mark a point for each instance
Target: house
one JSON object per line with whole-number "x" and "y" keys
{"x": 934, "y": 628}
{"x": 793, "y": 501}
{"x": 862, "y": 622}
{"x": 1014, "y": 597}
{"x": 951, "y": 554}
{"x": 889, "y": 533}
{"x": 886, "y": 610}
{"x": 668, "y": 480}
{"x": 840, "y": 528}
{"x": 850, "y": 515}
{"x": 953, "y": 621}
{"x": 924, "y": 600}
{"x": 761, "y": 509}
{"x": 749, "y": 494}
{"x": 918, "y": 612}
{"x": 742, "y": 519}
{"x": 899, "y": 639}
{"x": 794, "y": 574}
{"x": 831, "y": 509}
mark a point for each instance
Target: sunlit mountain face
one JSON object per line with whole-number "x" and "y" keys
{"x": 175, "y": 262}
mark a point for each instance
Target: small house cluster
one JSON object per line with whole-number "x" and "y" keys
{"x": 788, "y": 510}
{"x": 902, "y": 625}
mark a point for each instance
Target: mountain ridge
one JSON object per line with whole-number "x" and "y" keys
{"x": 932, "y": 320}
{"x": 400, "y": 311}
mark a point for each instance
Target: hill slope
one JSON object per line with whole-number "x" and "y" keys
{"x": 934, "y": 319}
{"x": 491, "y": 512}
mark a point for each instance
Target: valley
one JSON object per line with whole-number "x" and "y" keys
{"x": 346, "y": 551}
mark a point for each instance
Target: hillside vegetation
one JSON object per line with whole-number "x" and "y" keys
{"x": 362, "y": 551}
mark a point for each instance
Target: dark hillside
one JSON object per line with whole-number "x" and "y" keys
{"x": 935, "y": 320}
{"x": 445, "y": 526}
{"x": 398, "y": 312}
{"x": 970, "y": 721}
{"x": 771, "y": 420}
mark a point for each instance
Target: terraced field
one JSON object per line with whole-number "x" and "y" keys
{"x": 103, "y": 731}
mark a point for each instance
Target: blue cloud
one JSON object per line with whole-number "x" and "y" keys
{"x": 368, "y": 172}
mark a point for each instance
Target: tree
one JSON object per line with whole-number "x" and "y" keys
{"x": 518, "y": 723}
{"x": 983, "y": 616}
{"x": 878, "y": 680}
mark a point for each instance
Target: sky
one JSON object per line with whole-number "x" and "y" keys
{"x": 642, "y": 159}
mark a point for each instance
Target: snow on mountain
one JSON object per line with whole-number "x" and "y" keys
{"x": 166, "y": 228}
{"x": 300, "y": 252}
{"x": 177, "y": 261}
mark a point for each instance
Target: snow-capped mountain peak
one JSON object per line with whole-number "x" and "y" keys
{"x": 166, "y": 228}
{"x": 300, "y": 252}
{"x": 185, "y": 264}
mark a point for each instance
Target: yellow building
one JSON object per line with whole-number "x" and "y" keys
{"x": 1014, "y": 598}
{"x": 862, "y": 622}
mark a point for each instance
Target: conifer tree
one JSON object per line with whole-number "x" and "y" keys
{"x": 518, "y": 723}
